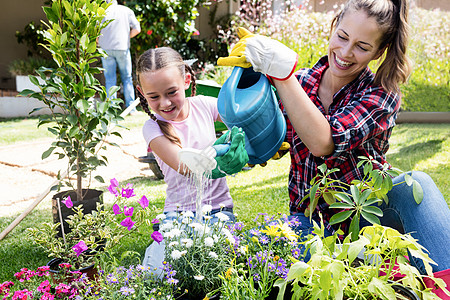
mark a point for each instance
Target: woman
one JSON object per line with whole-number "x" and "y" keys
{"x": 341, "y": 110}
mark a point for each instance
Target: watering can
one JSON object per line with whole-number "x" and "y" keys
{"x": 247, "y": 100}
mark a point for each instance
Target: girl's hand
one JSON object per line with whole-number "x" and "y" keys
{"x": 235, "y": 158}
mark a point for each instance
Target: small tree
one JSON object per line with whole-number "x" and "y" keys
{"x": 72, "y": 30}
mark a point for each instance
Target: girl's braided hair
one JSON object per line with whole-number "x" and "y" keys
{"x": 153, "y": 60}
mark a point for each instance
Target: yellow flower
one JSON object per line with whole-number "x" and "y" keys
{"x": 271, "y": 231}
{"x": 228, "y": 273}
{"x": 276, "y": 257}
{"x": 206, "y": 298}
{"x": 287, "y": 231}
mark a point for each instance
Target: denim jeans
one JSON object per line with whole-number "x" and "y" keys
{"x": 428, "y": 222}
{"x": 122, "y": 60}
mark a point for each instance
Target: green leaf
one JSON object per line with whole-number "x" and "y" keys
{"x": 373, "y": 210}
{"x": 341, "y": 205}
{"x": 417, "y": 192}
{"x": 48, "y": 152}
{"x": 328, "y": 197}
{"x": 83, "y": 105}
{"x": 344, "y": 198}
{"x": 340, "y": 217}
{"x": 377, "y": 286}
{"x": 372, "y": 218}
{"x": 354, "y": 227}
{"x": 322, "y": 168}
{"x": 51, "y": 16}
{"x": 408, "y": 179}
{"x": 297, "y": 269}
{"x": 99, "y": 179}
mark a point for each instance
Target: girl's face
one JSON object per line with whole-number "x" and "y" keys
{"x": 164, "y": 91}
{"x": 354, "y": 43}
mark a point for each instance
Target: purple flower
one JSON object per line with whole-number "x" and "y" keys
{"x": 143, "y": 202}
{"x": 113, "y": 187}
{"x": 155, "y": 221}
{"x": 271, "y": 267}
{"x": 116, "y": 209}
{"x": 79, "y": 248}
{"x": 128, "y": 223}
{"x": 256, "y": 277}
{"x": 172, "y": 280}
{"x": 264, "y": 239}
{"x": 128, "y": 211}
{"x": 68, "y": 202}
{"x": 238, "y": 225}
{"x": 157, "y": 236}
{"x": 296, "y": 253}
{"x": 128, "y": 191}
{"x": 126, "y": 290}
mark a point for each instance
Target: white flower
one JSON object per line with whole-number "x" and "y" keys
{"x": 166, "y": 227}
{"x": 243, "y": 249}
{"x": 161, "y": 217}
{"x": 175, "y": 232}
{"x": 216, "y": 238}
{"x": 206, "y": 209}
{"x": 222, "y": 217}
{"x": 187, "y": 214}
{"x": 173, "y": 244}
{"x": 186, "y": 220}
{"x": 199, "y": 277}
{"x": 213, "y": 254}
{"x": 209, "y": 241}
{"x": 222, "y": 205}
{"x": 176, "y": 254}
{"x": 187, "y": 243}
{"x": 196, "y": 226}
{"x": 207, "y": 218}
{"x": 206, "y": 229}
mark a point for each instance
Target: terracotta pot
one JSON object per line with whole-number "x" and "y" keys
{"x": 91, "y": 199}
{"x": 58, "y": 277}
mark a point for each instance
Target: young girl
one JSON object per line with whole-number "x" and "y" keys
{"x": 177, "y": 121}
{"x": 339, "y": 110}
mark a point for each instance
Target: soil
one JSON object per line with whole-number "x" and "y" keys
{"x": 25, "y": 177}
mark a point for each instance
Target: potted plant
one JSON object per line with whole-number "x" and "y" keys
{"x": 335, "y": 272}
{"x": 88, "y": 116}
{"x": 93, "y": 235}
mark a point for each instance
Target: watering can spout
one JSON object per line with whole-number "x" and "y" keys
{"x": 247, "y": 100}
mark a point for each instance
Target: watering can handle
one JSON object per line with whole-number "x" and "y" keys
{"x": 235, "y": 77}
{"x": 221, "y": 149}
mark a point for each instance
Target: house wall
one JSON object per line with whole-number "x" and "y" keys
{"x": 15, "y": 14}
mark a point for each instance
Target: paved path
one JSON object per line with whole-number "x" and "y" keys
{"x": 24, "y": 176}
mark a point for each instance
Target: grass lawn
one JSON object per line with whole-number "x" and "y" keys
{"x": 260, "y": 190}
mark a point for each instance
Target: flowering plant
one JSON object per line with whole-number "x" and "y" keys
{"x": 260, "y": 256}
{"x": 195, "y": 250}
{"x": 94, "y": 233}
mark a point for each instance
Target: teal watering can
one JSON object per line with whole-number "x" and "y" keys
{"x": 247, "y": 100}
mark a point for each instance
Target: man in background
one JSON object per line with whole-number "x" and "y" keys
{"x": 115, "y": 40}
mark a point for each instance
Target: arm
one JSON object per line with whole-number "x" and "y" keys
{"x": 309, "y": 123}
{"x": 168, "y": 152}
{"x": 134, "y": 32}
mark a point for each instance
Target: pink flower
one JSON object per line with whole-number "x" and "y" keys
{"x": 42, "y": 271}
{"x": 128, "y": 191}
{"x": 47, "y": 296}
{"x": 128, "y": 211}
{"x": 143, "y": 202}
{"x": 196, "y": 32}
{"x": 44, "y": 286}
{"x": 68, "y": 202}
{"x": 157, "y": 236}
{"x": 113, "y": 187}
{"x": 149, "y": 32}
{"x": 155, "y": 221}
{"x": 116, "y": 209}
{"x": 128, "y": 223}
{"x": 79, "y": 248}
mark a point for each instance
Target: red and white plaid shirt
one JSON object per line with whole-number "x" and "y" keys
{"x": 361, "y": 118}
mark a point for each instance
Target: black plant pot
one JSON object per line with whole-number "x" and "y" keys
{"x": 405, "y": 291}
{"x": 92, "y": 198}
{"x": 58, "y": 277}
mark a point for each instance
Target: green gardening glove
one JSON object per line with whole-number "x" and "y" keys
{"x": 235, "y": 158}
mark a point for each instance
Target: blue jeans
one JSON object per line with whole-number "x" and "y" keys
{"x": 122, "y": 60}
{"x": 428, "y": 222}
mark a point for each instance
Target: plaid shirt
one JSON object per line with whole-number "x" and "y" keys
{"x": 361, "y": 119}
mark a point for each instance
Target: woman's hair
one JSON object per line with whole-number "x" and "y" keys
{"x": 156, "y": 59}
{"x": 392, "y": 18}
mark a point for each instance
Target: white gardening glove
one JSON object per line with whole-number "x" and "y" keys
{"x": 266, "y": 55}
